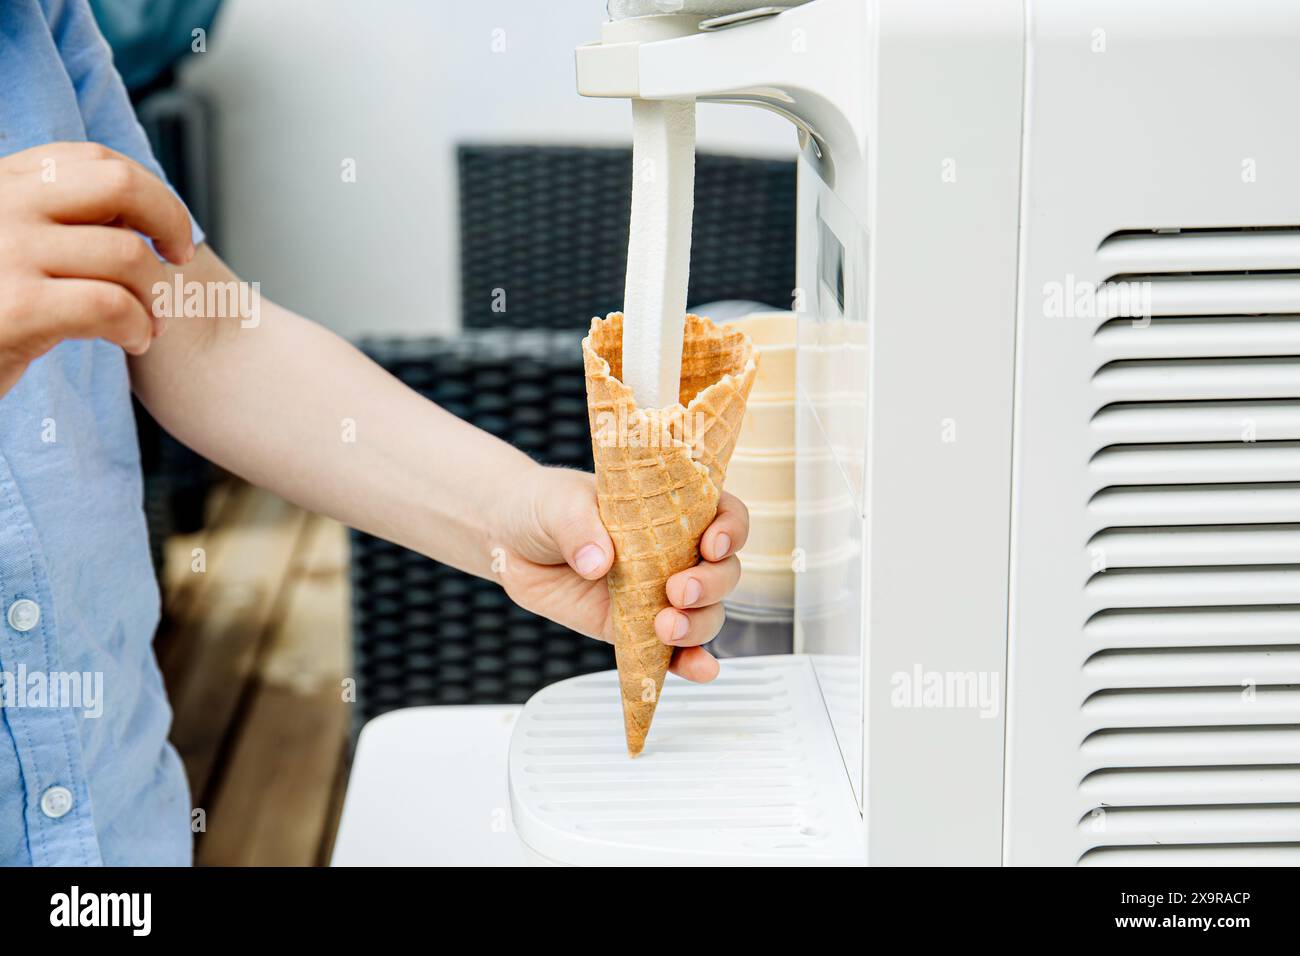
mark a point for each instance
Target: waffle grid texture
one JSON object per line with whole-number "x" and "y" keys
{"x": 659, "y": 475}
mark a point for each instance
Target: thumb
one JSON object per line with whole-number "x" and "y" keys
{"x": 570, "y": 517}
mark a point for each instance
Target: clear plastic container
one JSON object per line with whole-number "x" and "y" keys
{"x": 751, "y": 632}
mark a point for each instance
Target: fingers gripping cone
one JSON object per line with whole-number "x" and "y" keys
{"x": 659, "y": 474}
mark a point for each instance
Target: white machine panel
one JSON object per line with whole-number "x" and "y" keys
{"x": 905, "y": 378}
{"x": 1156, "y": 558}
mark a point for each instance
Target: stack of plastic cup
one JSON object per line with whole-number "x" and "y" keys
{"x": 760, "y": 611}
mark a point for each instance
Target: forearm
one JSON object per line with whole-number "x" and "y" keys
{"x": 294, "y": 408}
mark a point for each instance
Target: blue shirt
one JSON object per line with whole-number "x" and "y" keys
{"x": 86, "y": 773}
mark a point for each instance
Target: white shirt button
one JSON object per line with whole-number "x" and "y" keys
{"x": 24, "y": 614}
{"x": 56, "y": 801}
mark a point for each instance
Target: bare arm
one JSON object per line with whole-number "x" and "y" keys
{"x": 294, "y": 408}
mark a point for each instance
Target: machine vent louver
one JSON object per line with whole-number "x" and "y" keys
{"x": 1192, "y": 634}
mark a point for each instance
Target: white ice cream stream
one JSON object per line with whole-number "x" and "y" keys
{"x": 658, "y": 249}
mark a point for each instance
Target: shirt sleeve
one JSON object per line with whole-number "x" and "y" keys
{"x": 106, "y": 110}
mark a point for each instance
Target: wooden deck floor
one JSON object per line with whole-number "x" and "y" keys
{"x": 254, "y": 650}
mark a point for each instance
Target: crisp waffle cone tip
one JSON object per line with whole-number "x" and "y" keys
{"x": 659, "y": 475}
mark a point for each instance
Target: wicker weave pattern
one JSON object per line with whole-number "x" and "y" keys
{"x": 548, "y": 226}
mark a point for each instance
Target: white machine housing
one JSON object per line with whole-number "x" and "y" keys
{"x": 1049, "y": 429}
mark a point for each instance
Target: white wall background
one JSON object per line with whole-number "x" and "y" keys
{"x": 302, "y": 85}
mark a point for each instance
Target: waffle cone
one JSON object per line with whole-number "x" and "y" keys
{"x": 659, "y": 474}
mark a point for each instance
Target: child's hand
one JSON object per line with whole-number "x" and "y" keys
{"x": 67, "y": 269}
{"x": 558, "y": 553}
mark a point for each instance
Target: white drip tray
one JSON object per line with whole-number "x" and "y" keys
{"x": 744, "y": 770}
